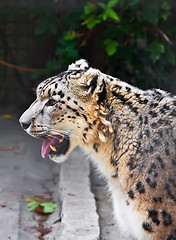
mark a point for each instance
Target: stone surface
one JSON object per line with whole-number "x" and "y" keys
{"x": 79, "y": 217}
{"x": 23, "y": 173}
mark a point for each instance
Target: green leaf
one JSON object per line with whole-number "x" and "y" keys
{"x": 165, "y": 6}
{"x": 104, "y": 16}
{"x": 48, "y": 207}
{"x": 112, "y": 14}
{"x": 165, "y": 10}
{"x": 32, "y": 206}
{"x": 92, "y": 22}
{"x": 111, "y": 46}
{"x": 155, "y": 49}
{"x": 165, "y": 15}
{"x": 102, "y": 5}
{"x": 150, "y": 13}
{"x": 112, "y": 3}
{"x": 170, "y": 56}
{"x": 69, "y": 36}
{"x": 89, "y": 8}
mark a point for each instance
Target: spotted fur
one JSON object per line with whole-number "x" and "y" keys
{"x": 129, "y": 133}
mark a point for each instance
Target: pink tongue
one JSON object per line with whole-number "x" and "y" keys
{"x": 46, "y": 146}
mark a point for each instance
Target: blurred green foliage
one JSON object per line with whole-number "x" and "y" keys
{"x": 137, "y": 34}
{"x": 136, "y": 37}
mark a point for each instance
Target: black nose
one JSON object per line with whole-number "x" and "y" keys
{"x": 25, "y": 125}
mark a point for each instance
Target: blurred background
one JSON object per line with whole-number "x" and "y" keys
{"x": 134, "y": 40}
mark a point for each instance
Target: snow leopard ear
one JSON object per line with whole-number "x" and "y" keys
{"x": 81, "y": 64}
{"x": 96, "y": 84}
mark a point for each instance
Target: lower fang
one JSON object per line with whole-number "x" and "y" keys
{"x": 53, "y": 148}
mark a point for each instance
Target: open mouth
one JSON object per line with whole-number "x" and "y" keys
{"x": 55, "y": 145}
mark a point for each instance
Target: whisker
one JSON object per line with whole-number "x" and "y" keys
{"x": 50, "y": 133}
{"x": 56, "y": 130}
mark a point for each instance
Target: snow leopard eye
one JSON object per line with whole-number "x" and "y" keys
{"x": 51, "y": 102}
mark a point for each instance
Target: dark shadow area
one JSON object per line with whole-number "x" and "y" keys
{"x": 132, "y": 40}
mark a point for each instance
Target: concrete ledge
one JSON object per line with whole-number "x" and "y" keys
{"x": 78, "y": 215}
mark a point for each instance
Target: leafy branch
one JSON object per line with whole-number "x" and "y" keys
{"x": 135, "y": 35}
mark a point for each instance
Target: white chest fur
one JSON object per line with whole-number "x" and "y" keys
{"x": 128, "y": 220}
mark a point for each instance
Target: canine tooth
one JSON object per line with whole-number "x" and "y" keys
{"x": 61, "y": 140}
{"x": 53, "y": 148}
